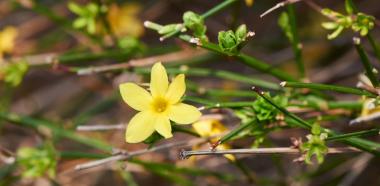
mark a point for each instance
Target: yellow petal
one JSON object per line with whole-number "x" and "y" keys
{"x": 203, "y": 128}
{"x": 163, "y": 126}
{"x": 225, "y": 147}
{"x": 183, "y": 113}
{"x": 140, "y": 127}
{"x": 135, "y": 96}
{"x": 158, "y": 80}
{"x": 176, "y": 89}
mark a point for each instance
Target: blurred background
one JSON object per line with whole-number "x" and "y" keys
{"x": 57, "y": 87}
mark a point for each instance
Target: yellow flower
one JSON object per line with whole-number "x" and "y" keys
{"x": 158, "y": 107}
{"x": 7, "y": 37}
{"x": 212, "y": 127}
{"x": 369, "y": 107}
{"x": 249, "y": 2}
{"x": 124, "y": 21}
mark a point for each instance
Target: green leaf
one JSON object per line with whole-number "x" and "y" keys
{"x": 36, "y": 162}
{"x": 80, "y": 22}
{"x": 169, "y": 29}
{"x": 330, "y": 25}
{"x": 14, "y": 72}
{"x": 74, "y": 7}
{"x": 335, "y": 33}
{"x": 348, "y": 6}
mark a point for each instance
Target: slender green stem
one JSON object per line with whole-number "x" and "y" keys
{"x": 217, "y": 92}
{"x": 374, "y": 45}
{"x": 371, "y": 132}
{"x": 296, "y": 45}
{"x": 351, "y": 105}
{"x": 218, "y": 8}
{"x": 210, "y": 104}
{"x": 56, "y": 130}
{"x": 370, "y": 70}
{"x": 247, "y": 60}
{"x": 202, "y": 72}
{"x": 335, "y": 88}
{"x": 236, "y": 131}
{"x": 359, "y": 143}
{"x": 76, "y": 155}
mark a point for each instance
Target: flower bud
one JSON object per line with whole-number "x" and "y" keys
{"x": 195, "y": 23}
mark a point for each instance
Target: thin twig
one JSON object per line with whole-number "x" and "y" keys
{"x": 165, "y": 58}
{"x": 102, "y": 127}
{"x": 126, "y": 155}
{"x": 283, "y": 150}
{"x": 277, "y": 6}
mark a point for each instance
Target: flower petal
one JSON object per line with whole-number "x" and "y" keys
{"x": 162, "y": 126}
{"x": 158, "y": 80}
{"x": 183, "y": 113}
{"x": 140, "y": 127}
{"x": 203, "y": 127}
{"x": 135, "y": 96}
{"x": 176, "y": 89}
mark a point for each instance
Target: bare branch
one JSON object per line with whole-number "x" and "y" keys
{"x": 283, "y": 150}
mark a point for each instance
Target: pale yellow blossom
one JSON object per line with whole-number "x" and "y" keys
{"x": 212, "y": 127}
{"x": 124, "y": 20}
{"x": 158, "y": 107}
{"x": 7, "y": 40}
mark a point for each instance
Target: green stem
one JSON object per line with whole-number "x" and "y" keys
{"x": 217, "y": 92}
{"x": 210, "y": 104}
{"x": 247, "y": 60}
{"x": 359, "y": 143}
{"x": 236, "y": 131}
{"x": 296, "y": 45}
{"x": 56, "y": 130}
{"x": 366, "y": 63}
{"x": 335, "y": 88}
{"x": 371, "y": 132}
{"x": 218, "y": 8}
{"x": 374, "y": 45}
{"x": 76, "y": 155}
{"x": 202, "y": 72}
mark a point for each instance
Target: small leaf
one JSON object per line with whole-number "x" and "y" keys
{"x": 75, "y": 8}
{"x": 330, "y": 25}
{"x": 335, "y": 33}
{"x": 349, "y": 7}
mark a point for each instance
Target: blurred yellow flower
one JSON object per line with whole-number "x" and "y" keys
{"x": 124, "y": 21}
{"x": 369, "y": 107}
{"x": 7, "y": 38}
{"x": 249, "y": 2}
{"x": 158, "y": 107}
{"x": 212, "y": 127}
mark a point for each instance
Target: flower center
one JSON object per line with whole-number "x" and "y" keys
{"x": 159, "y": 105}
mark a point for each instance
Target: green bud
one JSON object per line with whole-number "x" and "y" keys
{"x": 169, "y": 28}
{"x": 227, "y": 41}
{"x": 241, "y": 33}
{"x": 36, "y": 162}
{"x": 195, "y": 23}
{"x": 316, "y": 129}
